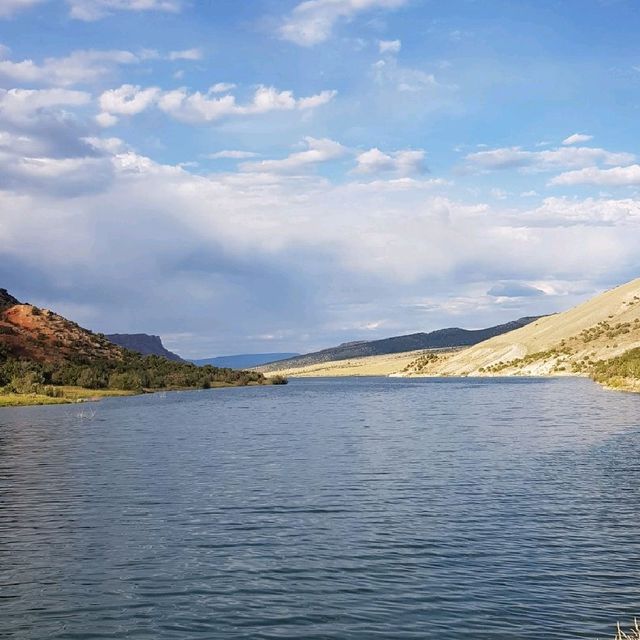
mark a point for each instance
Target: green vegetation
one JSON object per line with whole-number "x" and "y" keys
{"x": 419, "y": 364}
{"x": 605, "y": 329}
{"x": 556, "y": 353}
{"x": 49, "y": 383}
{"x": 62, "y": 395}
{"x": 622, "y": 372}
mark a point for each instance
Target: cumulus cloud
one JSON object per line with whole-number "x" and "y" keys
{"x": 77, "y": 68}
{"x": 285, "y": 239}
{"x": 614, "y": 177}
{"x": 20, "y": 105}
{"x": 90, "y": 10}
{"x": 404, "y": 162}
{"x": 577, "y": 138}
{"x": 313, "y": 21}
{"x": 9, "y": 8}
{"x": 45, "y": 150}
{"x": 318, "y": 151}
{"x": 389, "y": 46}
{"x": 547, "y": 160}
{"x": 198, "y": 107}
{"x": 127, "y": 100}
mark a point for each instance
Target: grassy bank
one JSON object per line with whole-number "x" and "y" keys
{"x": 70, "y": 394}
{"x": 64, "y": 395}
{"x": 27, "y": 382}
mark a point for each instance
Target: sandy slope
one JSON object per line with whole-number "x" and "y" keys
{"x": 368, "y": 366}
{"x": 563, "y": 344}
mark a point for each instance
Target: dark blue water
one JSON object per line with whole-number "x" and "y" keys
{"x": 365, "y": 508}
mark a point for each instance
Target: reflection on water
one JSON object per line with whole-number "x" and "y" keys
{"x": 366, "y": 508}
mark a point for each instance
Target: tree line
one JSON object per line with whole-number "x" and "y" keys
{"x": 134, "y": 372}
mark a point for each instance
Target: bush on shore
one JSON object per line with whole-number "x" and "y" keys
{"x": 133, "y": 372}
{"x": 616, "y": 371}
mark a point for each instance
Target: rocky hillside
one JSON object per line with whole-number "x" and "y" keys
{"x": 567, "y": 343}
{"x": 440, "y": 339}
{"x": 143, "y": 343}
{"x": 30, "y": 333}
{"x": 45, "y": 357}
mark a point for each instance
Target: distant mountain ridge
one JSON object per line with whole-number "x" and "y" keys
{"x": 143, "y": 343}
{"x": 439, "y": 339}
{"x": 244, "y": 360}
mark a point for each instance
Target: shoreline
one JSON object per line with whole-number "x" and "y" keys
{"x": 80, "y": 395}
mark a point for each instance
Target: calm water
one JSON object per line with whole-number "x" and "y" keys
{"x": 367, "y": 508}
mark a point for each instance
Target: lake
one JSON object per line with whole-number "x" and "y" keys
{"x": 328, "y": 508}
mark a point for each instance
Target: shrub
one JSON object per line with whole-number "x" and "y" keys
{"x": 125, "y": 381}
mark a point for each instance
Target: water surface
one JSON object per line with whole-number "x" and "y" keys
{"x": 337, "y": 509}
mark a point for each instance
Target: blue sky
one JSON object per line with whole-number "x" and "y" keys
{"x": 282, "y": 175}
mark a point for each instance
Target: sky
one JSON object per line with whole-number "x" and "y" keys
{"x": 277, "y": 175}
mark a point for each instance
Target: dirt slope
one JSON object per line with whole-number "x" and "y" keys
{"x": 31, "y": 333}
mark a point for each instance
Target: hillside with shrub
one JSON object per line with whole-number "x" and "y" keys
{"x": 598, "y": 338}
{"x": 45, "y": 355}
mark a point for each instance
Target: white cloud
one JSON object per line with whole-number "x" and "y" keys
{"x": 127, "y": 100}
{"x": 222, "y": 87}
{"x": 200, "y": 108}
{"x": 312, "y": 21}
{"x": 231, "y": 154}
{"x": 187, "y": 54}
{"x": 9, "y": 8}
{"x": 576, "y": 138}
{"x": 404, "y": 162}
{"x": 389, "y": 73}
{"x": 287, "y": 238}
{"x": 614, "y": 177}
{"x": 19, "y": 105}
{"x": 389, "y": 46}
{"x": 105, "y": 120}
{"x": 78, "y": 67}
{"x": 318, "y": 151}
{"x": 598, "y": 212}
{"x": 108, "y": 145}
{"x": 322, "y": 98}
{"x": 547, "y": 160}
{"x": 90, "y": 10}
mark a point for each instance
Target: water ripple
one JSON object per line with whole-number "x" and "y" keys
{"x": 349, "y": 509}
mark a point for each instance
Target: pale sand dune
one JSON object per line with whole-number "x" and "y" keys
{"x": 619, "y": 306}
{"x": 369, "y": 366}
